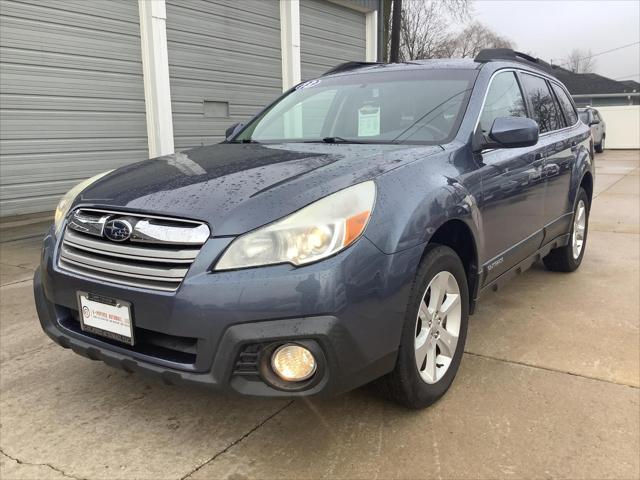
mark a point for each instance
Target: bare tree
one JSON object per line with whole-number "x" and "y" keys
{"x": 425, "y": 26}
{"x": 580, "y": 61}
{"x": 475, "y": 37}
{"x": 425, "y": 31}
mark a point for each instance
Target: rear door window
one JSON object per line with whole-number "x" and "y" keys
{"x": 565, "y": 103}
{"x": 504, "y": 99}
{"x": 562, "y": 120}
{"x": 543, "y": 108}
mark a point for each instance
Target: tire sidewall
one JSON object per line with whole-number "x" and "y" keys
{"x": 582, "y": 195}
{"x": 437, "y": 259}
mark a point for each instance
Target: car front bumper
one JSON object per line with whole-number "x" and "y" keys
{"x": 350, "y": 306}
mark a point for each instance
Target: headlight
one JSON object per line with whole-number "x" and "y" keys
{"x": 65, "y": 202}
{"x": 317, "y": 231}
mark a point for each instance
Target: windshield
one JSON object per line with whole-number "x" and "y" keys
{"x": 416, "y": 106}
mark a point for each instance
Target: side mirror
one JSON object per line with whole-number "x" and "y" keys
{"x": 229, "y": 132}
{"x": 511, "y": 132}
{"x": 594, "y": 122}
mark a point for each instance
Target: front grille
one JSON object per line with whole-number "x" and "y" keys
{"x": 157, "y": 255}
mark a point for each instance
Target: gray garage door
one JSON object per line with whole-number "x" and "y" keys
{"x": 71, "y": 96}
{"x": 224, "y": 62}
{"x": 329, "y": 34}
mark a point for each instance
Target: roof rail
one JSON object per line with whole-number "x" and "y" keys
{"x": 494, "y": 54}
{"x": 346, "y": 66}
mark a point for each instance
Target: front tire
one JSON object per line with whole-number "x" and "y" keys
{"x": 569, "y": 257}
{"x": 434, "y": 331}
{"x": 600, "y": 147}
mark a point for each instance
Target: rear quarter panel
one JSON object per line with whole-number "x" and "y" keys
{"x": 584, "y": 164}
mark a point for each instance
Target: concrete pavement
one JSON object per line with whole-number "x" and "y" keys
{"x": 549, "y": 387}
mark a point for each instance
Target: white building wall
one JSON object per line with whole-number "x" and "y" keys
{"x": 623, "y": 126}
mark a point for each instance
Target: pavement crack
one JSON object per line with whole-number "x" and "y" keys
{"x": 52, "y": 467}
{"x": 16, "y": 282}
{"x": 24, "y": 266}
{"x": 237, "y": 441}
{"x": 21, "y": 355}
{"x": 549, "y": 369}
{"x": 613, "y": 184}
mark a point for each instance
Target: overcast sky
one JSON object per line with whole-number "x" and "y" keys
{"x": 551, "y": 29}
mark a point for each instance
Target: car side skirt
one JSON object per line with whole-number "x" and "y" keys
{"x": 524, "y": 265}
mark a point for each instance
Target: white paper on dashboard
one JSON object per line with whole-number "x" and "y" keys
{"x": 368, "y": 121}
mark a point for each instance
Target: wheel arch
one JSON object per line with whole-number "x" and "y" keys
{"x": 457, "y": 235}
{"x": 582, "y": 176}
{"x": 586, "y": 182}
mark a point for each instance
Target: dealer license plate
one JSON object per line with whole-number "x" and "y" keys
{"x": 105, "y": 316}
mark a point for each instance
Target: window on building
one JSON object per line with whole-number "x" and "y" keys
{"x": 544, "y": 108}
{"x": 504, "y": 99}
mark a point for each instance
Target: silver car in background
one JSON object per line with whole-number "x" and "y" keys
{"x": 590, "y": 116}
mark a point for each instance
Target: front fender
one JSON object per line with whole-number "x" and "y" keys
{"x": 416, "y": 200}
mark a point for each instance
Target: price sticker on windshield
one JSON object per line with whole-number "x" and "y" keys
{"x": 369, "y": 121}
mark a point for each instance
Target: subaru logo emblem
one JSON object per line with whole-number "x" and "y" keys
{"x": 118, "y": 230}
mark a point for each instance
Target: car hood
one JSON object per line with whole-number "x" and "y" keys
{"x": 238, "y": 187}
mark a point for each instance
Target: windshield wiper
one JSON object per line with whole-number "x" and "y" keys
{"x": 248, "y": 140}
{"x": 339, "y": 140}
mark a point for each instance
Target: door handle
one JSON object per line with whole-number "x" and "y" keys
{"x": 538, "y": 156}
{"x": 574, "y": 146}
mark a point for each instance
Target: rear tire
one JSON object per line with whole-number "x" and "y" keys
{"x": 569, "y": 257}
{"x": 600, "y": 147}
{"x": 434, "y": 331}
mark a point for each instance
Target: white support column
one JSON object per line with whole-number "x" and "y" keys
{"x": 371, "y": 36}
{"x": 290, "y": 42}
{"x": 155, "y": 69}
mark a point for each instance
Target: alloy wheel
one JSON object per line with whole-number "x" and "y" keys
{"x": 579, "y": 224}
{"x": 437, "y": 327}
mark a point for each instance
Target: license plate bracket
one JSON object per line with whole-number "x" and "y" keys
{"x": 106, "y": 316}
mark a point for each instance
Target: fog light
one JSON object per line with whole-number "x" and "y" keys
{"x": 293, "y": 363}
